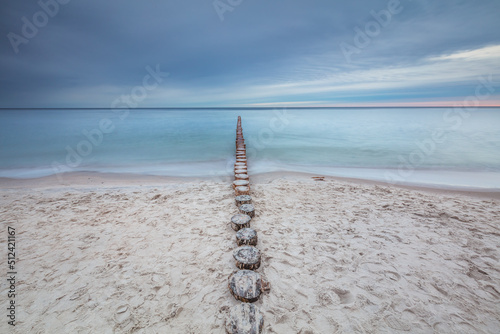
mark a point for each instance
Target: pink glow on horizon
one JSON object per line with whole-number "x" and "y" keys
{"x": 430, "y": 104}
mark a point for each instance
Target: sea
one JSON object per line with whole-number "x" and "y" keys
{"x": 434, "y": 147}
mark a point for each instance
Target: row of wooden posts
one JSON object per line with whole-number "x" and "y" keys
{"x": 245, "y": 284}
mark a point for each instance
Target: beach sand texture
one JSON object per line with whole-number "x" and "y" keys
{"x": 342, "y": 257}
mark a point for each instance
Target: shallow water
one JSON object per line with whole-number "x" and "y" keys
{"x": 433, "y": 146}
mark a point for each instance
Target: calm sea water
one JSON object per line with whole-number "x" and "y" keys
{"x": 431, "y": 146}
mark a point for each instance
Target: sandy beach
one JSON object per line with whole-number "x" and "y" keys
{"x": 122, "y": 254}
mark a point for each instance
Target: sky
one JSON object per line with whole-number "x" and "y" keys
{"x": 249, "y": 53}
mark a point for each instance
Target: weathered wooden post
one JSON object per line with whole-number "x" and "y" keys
{"x": 246, "y": 236}
{"x": 247, "y": 209}
{"x": 245, "y": 285}
{"x": 240, "y": 221}
{"x": 245, "y": 318}
{"x": 240, "y": 183}
{"x": 242, "y": 191}
{"x": 247, "y": 257}
{"x": 243, "y": 199}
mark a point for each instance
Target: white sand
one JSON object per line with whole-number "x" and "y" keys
{"x": 341, "y": 256}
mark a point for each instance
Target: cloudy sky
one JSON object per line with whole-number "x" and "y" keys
{"x": 76, "y": 53}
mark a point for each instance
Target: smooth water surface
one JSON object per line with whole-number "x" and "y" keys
{"x": 433, "y": 146}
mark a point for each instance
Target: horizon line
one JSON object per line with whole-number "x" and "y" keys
{"x": 263, "y": 107}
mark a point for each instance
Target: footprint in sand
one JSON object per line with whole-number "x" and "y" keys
{"x": 372, "y": 267}
{"x": 78, "y": 293}
{"x": 345, "y": 296}
{"x": 122, "y": 314}
{"x": 171, "y": 311}
{"x": 396, "y": 324}
{"x": 462, "y": 327}
{"x": 324, "y": 299}
{"x": 492, "y": 291}
{"x": 392, "y": 275}
{"x": 66, "y": 256}
{"x": 158, "y": 280}
{"x": 478, "y": 274}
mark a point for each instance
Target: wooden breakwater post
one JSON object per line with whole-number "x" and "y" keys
{"x": 246, "y": 285}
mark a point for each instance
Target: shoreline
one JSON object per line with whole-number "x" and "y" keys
{"x": 123, "y": 180}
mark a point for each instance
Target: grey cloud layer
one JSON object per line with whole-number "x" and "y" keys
{"x": 91, "y": 50}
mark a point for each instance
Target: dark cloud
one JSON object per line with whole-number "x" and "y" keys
{"x": 90, "y": 51}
